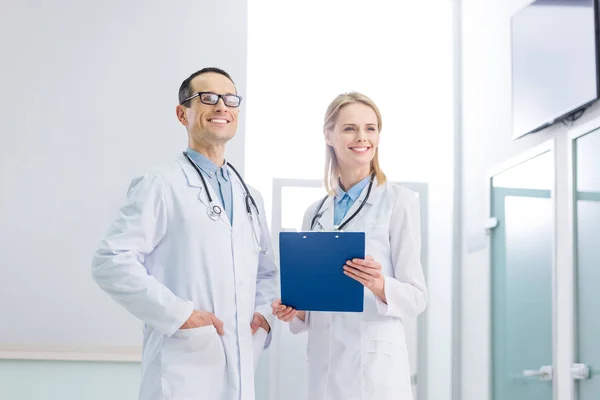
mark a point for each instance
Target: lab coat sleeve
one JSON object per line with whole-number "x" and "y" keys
{"x": 118, "y": 264}
{"x": 267, "y": 275}
{"x": 299, "y": 326}
{"x": 405, "y": 291}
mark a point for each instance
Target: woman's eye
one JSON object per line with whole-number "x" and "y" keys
{"x": 371, "y": 128}
{"x": 348, "y": 129}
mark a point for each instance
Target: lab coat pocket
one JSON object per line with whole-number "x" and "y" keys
{"x": 384, "y": 355}
{"x": 183, "y": 333}
{"x": 383, "y": 363}
{"x": 193, "y": 364}
{"x": 258, "y": 339}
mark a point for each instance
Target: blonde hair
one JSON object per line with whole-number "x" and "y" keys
{"x": 332, "y": 168}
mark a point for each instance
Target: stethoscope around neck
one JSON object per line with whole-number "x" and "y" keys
{"x": 339, "y": 228}
{"x": 215, "y": 211}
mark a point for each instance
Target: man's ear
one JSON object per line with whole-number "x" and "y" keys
{"x": 180, "y": 112}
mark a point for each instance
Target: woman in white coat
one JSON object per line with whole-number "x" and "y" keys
{"x": 363, "y": 355}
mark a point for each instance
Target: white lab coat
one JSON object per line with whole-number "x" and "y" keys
{"x": 164, "y": 257}
{"x": 363, "y": 356}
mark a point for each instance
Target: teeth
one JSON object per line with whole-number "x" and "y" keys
{"x": 359, "y": 148}
{"x": 218, "y": 121}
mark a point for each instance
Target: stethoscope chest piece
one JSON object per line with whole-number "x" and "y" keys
{"x": 214, "y": 211}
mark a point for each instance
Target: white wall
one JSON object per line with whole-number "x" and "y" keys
{"x": 486, "y": 143}
{"x": 88, "y": 95}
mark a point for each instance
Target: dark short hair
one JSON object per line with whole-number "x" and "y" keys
{"x": 185, "y": 90}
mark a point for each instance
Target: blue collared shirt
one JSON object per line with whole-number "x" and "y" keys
{"x": 219, "y": 179}
{"x": 344, "y": 200}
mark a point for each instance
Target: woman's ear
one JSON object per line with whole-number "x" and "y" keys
{"x": 327, "y": 134}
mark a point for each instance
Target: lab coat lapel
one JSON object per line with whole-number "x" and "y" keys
{"x": 325, "y": 220}
{"x": 361, "y": 199}
{"x": 194, "y": 180}
{"x": 239, "y": 206}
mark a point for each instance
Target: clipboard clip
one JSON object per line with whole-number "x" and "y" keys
{"x": 334, "y": 229}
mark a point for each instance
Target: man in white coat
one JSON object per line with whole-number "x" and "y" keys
{"x": 190, "y": 255}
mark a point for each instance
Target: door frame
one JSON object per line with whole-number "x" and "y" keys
{"x": 544, "y": 147}
{"x": 276, "y": 220}
{"x": 570, "y": 241}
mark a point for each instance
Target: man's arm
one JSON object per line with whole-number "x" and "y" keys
{"x": 268, "y": 273}
{"x": 117, "y": 266}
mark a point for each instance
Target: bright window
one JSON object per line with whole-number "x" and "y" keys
{"x": 302, "y": 54}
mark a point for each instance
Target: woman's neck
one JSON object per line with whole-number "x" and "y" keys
{"x": 349, "y": 178}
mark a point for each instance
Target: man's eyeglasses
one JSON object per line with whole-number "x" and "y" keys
{"x": 230, "y": 100}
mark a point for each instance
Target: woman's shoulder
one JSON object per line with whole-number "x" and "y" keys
{"x": 398, "y": 196}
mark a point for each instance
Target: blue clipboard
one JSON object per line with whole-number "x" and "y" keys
{"x": 312, "y": 270}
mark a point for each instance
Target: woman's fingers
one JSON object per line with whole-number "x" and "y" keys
{"x": 368, "y": 275}
{"x": 359, "y": 263}
{"x": 352, "y": 274}
{"x": 362, "y": 271}
{"x": 287, "y": 317}
{"x": 282, "y": 312}
{"x": 366, "y": 271}
{"x": 277, "y": 306}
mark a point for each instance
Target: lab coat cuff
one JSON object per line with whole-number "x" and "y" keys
{"x": 268, "y": 339}
{"x": 297, "y": 325}
{"x": 383, "y": 308}
{"x": 181, "y": 312}
{"x": 265, "y": 311}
